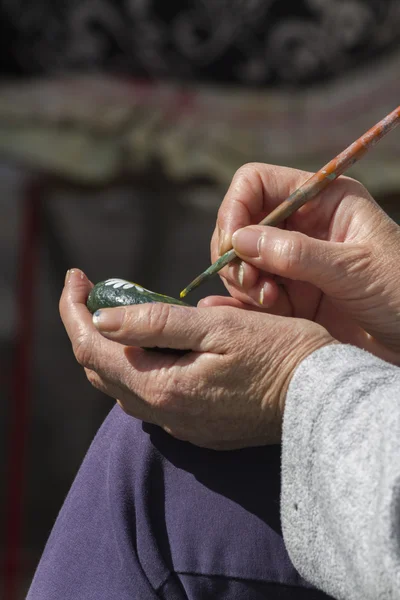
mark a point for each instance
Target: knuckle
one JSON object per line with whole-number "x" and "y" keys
{"x": 288, "y": 253}
{"x": 178, "y": 433}
{"x": 227, "y": 324}
{"x": 354, "y": 187}
{"x": 247, "y": 177}
{"x": 176, "y": 396}
{"x": 83, "y": 349}
{"x": 162, "y": 394}
{"x": 93, "y": 379}
{"x": 157, "y": 317}
{"x": 170, "y": 396}
{"x": 125, "y": 408}
{"x": 187, "y": 396}
{"x": 248, "y": 169}
{"x": 139, "y": 410}
{"x": 224, "y": 322}
{"x": 358, "y": 259}
{"x": 61, "y": 304}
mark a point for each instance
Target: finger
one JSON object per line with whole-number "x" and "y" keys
{"x": 74, "y": 295}
{"x": 90, "y": 348}
{"x": 279, "y": 304}
{"x": 137, "y": 371}
{"x": 255, "y": 190}
{"x": 241, "y": 275}
{"x": 164, "y": 326}
{"x": 74, "y": 314}
{"x": 238, "y": 276}
{"x": 212, "y": 301}
{"x": 296, "y": 256}
{"x": 214, "y": 253}
{"x": 265, "y": 293}
{"x": 271, "y": 296}
{"x": 237, "y": 273}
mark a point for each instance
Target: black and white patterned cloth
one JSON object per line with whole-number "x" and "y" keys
{"x": 253, "y": 42}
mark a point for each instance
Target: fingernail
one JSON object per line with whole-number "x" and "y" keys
{"x": 110, "y": 319}
{"x": 224, "y": 242}
{"x": 68, "y": 275}
{"x": 232, "y": 272}
{"x": 241, "y": 274}
{"x": 261, "y": 297}
{"x": 245, "y": 242}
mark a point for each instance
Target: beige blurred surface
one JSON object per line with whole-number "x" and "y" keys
{"x": 95, "y": 129}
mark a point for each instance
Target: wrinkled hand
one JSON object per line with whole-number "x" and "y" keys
{"x": 335, "y": 261}
{"x": 227, "y": 391}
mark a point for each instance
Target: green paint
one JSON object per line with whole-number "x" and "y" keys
{"x": 118, "y": 292}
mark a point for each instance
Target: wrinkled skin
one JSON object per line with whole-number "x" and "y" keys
{"x": 331, "y": 273}
{"x": 227, "y": 392}
{"x": 335, "y": 261}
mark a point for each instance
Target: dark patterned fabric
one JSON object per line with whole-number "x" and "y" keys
{"x": 256, "y": 42}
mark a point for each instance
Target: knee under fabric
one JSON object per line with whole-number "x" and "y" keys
{"x": 149, "y": 516}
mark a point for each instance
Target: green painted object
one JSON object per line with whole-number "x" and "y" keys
{"x": 119, "y": 292}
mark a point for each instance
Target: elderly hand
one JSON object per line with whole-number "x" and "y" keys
{"x": 227, "y": 391}
{"x": 335, "y": 261}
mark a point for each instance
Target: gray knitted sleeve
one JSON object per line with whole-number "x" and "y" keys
{"x": 341, "y": 474}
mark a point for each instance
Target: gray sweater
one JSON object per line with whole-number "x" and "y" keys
{"x": 341, "y": 473}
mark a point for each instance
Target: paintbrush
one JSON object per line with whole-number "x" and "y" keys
{"x": 310, "y": 188}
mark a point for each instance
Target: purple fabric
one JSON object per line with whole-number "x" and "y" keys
{"x": 149, "y": 517}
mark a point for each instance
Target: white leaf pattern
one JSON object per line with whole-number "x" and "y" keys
{"x": 122, "y": 283}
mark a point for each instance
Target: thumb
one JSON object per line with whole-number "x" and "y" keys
{"x": 297, "y": 256}
{"x": 164, "y": 326}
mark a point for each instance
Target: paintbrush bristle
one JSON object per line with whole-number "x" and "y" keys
{"x": 210, "y": 272}
{"x": 193, "y": 285}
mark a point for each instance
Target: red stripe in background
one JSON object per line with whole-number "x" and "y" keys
{"x": 20, "y": 395}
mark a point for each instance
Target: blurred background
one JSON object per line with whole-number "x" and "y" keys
{"x": 122, "y": 123}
